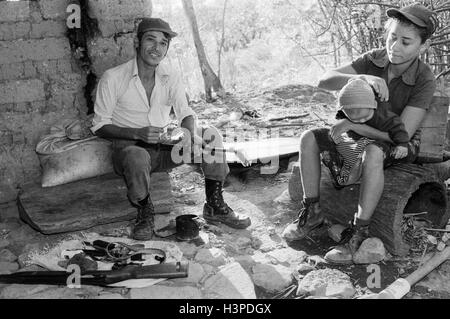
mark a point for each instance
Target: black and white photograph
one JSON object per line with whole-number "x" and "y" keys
{"x": 224, "y": 158}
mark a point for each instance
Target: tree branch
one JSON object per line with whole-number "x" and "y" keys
{"x": 378, "y": 4}
{"x": 447, "y": 41}
{"x": 304, "y": 49}
{"x": 337, "y": 48}
{"x": 331, "y": 22}
{"x": 443, "y": 73}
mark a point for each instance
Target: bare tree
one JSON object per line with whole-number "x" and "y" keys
{"x": 349, "y": 22}
{"x": 212, "y": 82}
{"x": 222, "y": 40}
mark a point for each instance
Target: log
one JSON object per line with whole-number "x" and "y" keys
{"x": 402, "y": 286}
{"x": 434, "y": 126}
{"x": 87, "y": 203}
{"x": 409, "y": 188}
{"x": 442, "y": 170}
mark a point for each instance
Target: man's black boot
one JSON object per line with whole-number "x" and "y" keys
{"x": 144, "y": 224}
{"x": 216, "y": 210}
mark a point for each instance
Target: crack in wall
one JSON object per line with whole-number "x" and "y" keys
{"x": 78, "y": 39}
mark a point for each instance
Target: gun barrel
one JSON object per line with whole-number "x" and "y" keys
{"x": 179, "y": 269}
{"x": 99, "y": 277}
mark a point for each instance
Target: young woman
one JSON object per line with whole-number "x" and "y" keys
{"x": 397, "y": 75}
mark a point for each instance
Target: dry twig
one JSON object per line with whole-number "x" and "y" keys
{"x": 288, "y": 117}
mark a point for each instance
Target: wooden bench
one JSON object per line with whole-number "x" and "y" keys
{"x": 86, "y": 203}
{"x": 409, "y": 188}
{"x": 100, "y": 200}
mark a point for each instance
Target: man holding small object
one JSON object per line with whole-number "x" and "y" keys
{"x": 132, "y": 109}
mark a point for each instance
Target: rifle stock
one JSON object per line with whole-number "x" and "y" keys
{"x": 100, "y": 277}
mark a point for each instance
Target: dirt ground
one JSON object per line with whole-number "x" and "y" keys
{"x": 263, "y": 197}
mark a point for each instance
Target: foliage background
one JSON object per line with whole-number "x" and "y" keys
{"x": 269, "y": 43}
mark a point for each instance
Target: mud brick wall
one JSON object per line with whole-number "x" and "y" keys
{"x": 116, "y": 20}
{"x": 42, "y": 79}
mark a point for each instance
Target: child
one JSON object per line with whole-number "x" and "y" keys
{"x": 357, "y": 103}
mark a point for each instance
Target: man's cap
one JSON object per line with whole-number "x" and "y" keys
{"x": 356, "y": 94}
{"x": 155, "y": 24}
{"x": 417, "y": 14}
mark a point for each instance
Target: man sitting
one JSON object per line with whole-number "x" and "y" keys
{"x": 132, "y": 108}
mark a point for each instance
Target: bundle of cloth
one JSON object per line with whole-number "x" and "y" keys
{"x": 70, "y": 152}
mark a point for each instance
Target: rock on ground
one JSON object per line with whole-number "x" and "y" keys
{"x": 438, "y": 280}
{"x": 248, "y": 261}
{"x": 7, "y": 256}
{"x": 326, "y": 283}
{"x": 305, "y": 268}
{"x": 371, "y": 251}
{"x": 323, "y": 97}
{"x": 8, "y": 267}
{"x": 272, "y": 278}
{"x": 32, "y": 267}
{"x": 24, "y": 234}
{"x": 284, "y": 198}
{"x": 4, "y": 243}
{"x": 287, "y": 256}
{"x": 242, "y": 243}
{"x": 24, "y": 258}
{"x": 165, "y": 292}
{"x": 110, "y": 296}
{"x": 87, "y": 292}
{"x": 231, "y": 282}
{"x": 315, "y": 260}
{"x": 189, "y": 250}
{"x": 196, "y": 273}
{"x": 212, "y": 256}
{"x": 264, "y": 242}
{"x": 17, "y": 291}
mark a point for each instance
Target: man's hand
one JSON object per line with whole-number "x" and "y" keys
{"x": 189, "y": 139}
{"x": 399, "y": 152}
{"x": 149, "y": 134}
{"x": 195, "y": 140}
{"x": 341, "y": 126}
{"x": 378, "y": 84}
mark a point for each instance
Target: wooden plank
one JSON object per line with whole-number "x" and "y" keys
{"x": 262, "y": 150}
{"x": 437, "y": 113}
{"x": 432, "y": 157}
{"x": 432, "y": 145}
{"x": 433, "y": 135}
{"x": 87, "y": 203}
{"x": 434, "y": 130}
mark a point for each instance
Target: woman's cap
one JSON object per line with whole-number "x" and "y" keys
{"x": 356, "y": 94}
{"x": 417, "y": 14}
{"x": 155, "y": 24}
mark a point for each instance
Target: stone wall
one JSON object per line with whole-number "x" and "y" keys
{"x": 117, "y": 20}
{"x": 42, "y": 80}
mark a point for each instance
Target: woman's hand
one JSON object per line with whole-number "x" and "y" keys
{"x": 341, "y": 126}
{"x": 378, "y": 84}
